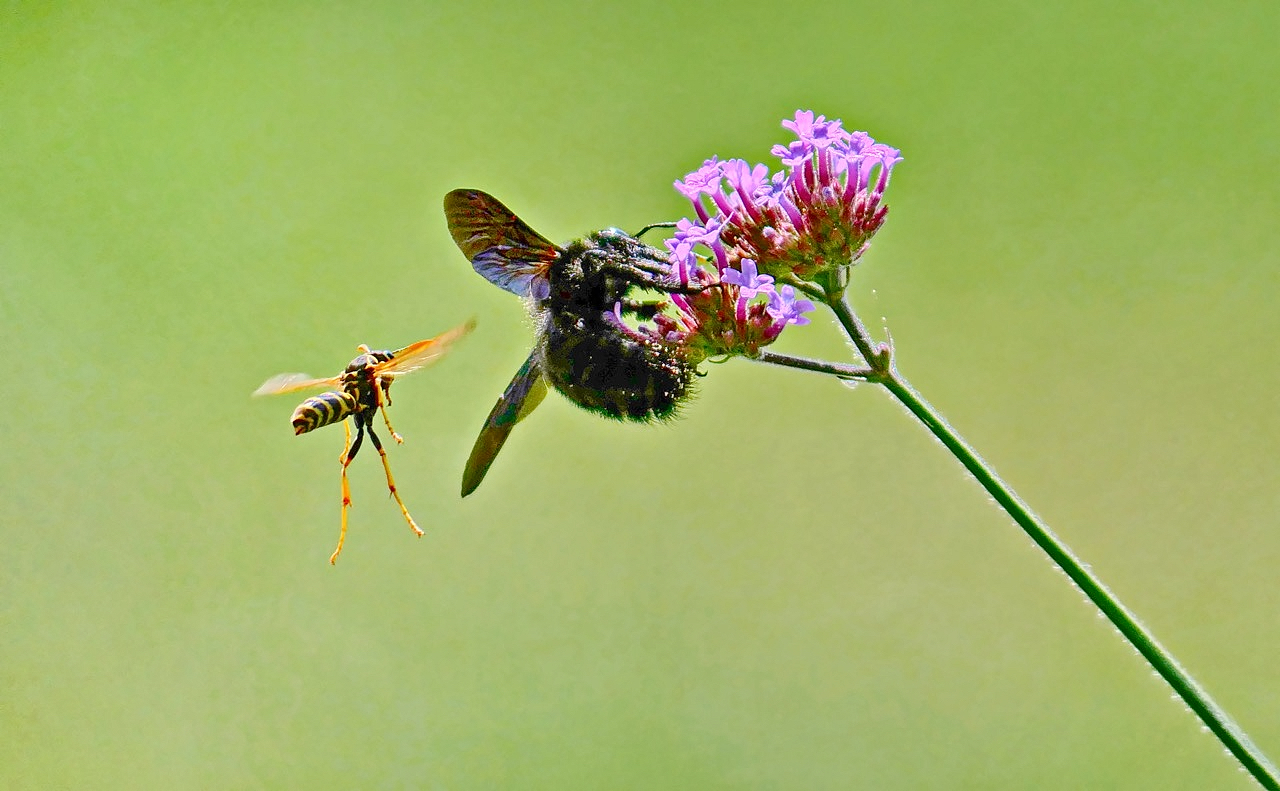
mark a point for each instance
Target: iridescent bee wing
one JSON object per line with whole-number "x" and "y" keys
{"x": 521, "y": 397}
{"x": 423, "y": 353}
{"x": 288, "y": 383}
{"x": 500, "y": 246}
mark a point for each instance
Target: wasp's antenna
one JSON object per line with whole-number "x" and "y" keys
{"x": 653, "y": 225}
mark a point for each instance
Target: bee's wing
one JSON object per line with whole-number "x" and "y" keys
{"x": 524, "y": 393}
{"x": 288, "y": 383}
{"x": 500, "y": 246}
{"x": 423, "y": 353}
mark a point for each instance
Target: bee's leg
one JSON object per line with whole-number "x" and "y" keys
{"x": 659, "y": 270}
{"x": 652, "y": 271}
{"x": 349, "y": 451}
{"x": 662, "y": 280}
{"x": 656, "y": 275}
{"x": 642, "y": 273}
{"x": 382, "y": 393}
{"x": 642, "y": 310}
{"x": 391, "y": 482}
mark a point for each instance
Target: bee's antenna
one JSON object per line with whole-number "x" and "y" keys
{"x": 653, "y": 225}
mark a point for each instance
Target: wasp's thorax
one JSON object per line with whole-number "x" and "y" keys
{"x": 366, "y": 360}
{"x": 356, "y": 396}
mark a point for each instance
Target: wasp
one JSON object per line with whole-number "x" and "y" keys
{"x": 360, "y": 391}
{"x": 577, "y": 295}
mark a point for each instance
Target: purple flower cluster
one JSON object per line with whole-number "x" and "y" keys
{"x": 805, "y": 224}
{"x": 736, "y": 311}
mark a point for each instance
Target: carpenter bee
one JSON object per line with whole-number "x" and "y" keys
{"x": 577, "y": 295}
{"x": 361, "y": 390}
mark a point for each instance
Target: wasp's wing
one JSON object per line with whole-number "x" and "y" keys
{"x": 423, "y": 353}
{"x": 288, "y": 383}
{"x": 524, "y": 394}
{"x": 500, "y": 246}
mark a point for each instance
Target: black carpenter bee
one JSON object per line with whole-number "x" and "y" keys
{"x": 577, "y": 295}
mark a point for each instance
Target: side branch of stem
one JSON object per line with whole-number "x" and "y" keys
{"x": 850, "y": 372}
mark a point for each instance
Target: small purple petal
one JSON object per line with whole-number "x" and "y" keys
{"x": 747, "y": 279}
{"x": 744, "y": 178}
{"x": 779, "y": 188}
{"x": 770, "y": 192}
{"x": 745, "y": 182}
{"x": 703, "y": 181}
{"x": 802, "y": 124}
{"x": 818, "y": 133}
{"x": 682, "y": 303}
{"x": 889, "y": 157}
{"x": 708, "y": 234}
{"x": 857, "y": 143}
{"x": 888, "y": 154}
{"x": 795, "y": 154}
{"x": 827, "y": 134}
{"x": 682, "y": 259}
{"x": 784, "y": 307}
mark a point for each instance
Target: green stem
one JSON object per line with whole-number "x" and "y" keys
{"x": 820, "y": 366}
{"x": 1209, "y": 712}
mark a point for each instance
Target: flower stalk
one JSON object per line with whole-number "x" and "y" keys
{"x": 801, "y": 231}
{"x": 849, "y": 373}
{"x": 1161, "y": 659}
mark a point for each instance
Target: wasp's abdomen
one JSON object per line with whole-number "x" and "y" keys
{"x": 602, "y": 368}
{"x": 324, "y": 409}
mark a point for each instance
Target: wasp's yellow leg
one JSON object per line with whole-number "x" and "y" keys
{"x": 346, "y": 492}
{"x": 391, "y": 484}
{"x": 384, "y": 400}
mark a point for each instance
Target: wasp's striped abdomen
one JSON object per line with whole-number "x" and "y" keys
{"x": 324, "y": 409}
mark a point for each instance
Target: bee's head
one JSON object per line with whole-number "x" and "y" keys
{"x": 614, "y": 239}
{"x": 620, "y": 245}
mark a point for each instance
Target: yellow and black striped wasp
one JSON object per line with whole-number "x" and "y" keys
{"x": 357, "y": 393}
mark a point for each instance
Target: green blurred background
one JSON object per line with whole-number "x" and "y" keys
{"x": 791, "y": 587}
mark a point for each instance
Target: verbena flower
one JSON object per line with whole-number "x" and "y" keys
{"x": 816, "y": 215}
{"x": 748, "y": 280}
{"x": 809, "y": 222}
{"x": 784, "y": 306}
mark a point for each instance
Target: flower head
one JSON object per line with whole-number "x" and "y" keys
{"x": 804, "y": 225}
{"x": 815, "y": 216}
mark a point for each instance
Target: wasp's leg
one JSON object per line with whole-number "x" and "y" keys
{"x": 382, "y": 394}
{"x": 349, "y": 452}
{"x": 391, "y": 483}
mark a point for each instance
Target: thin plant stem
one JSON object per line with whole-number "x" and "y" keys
{"x": 841, "y": 370}
{"x": 1209, "y": 712}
